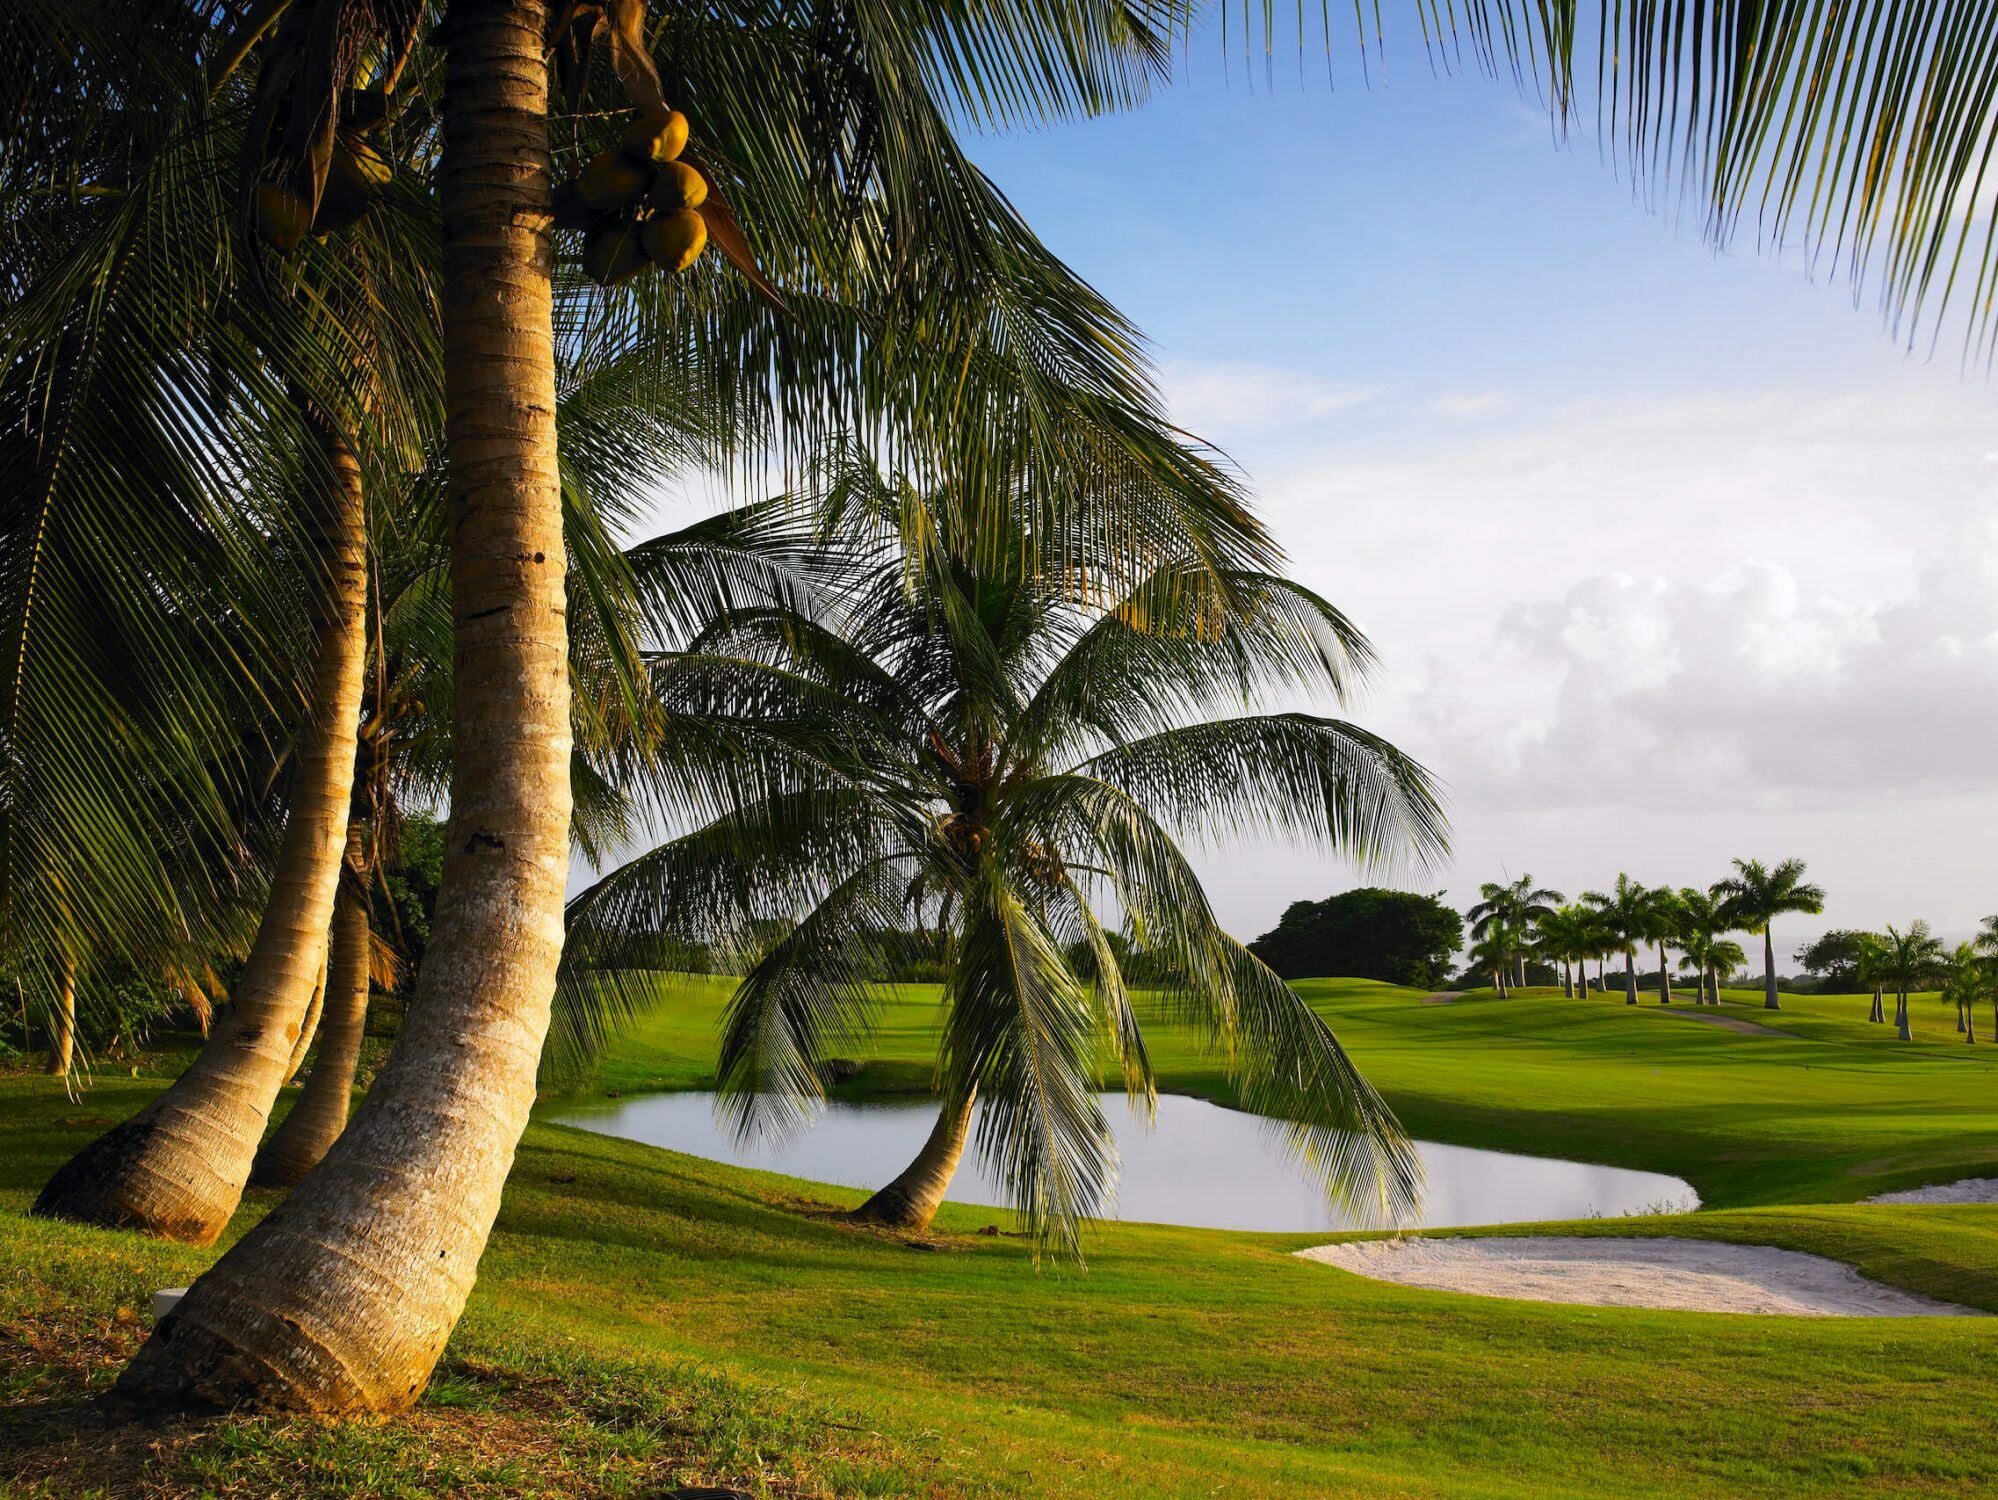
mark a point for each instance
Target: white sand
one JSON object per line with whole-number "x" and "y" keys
{"x": 1701, "y": 1275}
{"x": 1963, "y": 1190}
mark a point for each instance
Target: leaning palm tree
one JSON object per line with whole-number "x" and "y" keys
{"x": 1624, "y": 918}
{"x": 1517, "y": 905}
{"x": 1757, "y": 895}
{"x": 1908, "y": 960}
{"x": 1019, "y": 760}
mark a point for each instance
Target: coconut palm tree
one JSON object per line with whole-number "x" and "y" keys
{"x": 1757, "y": 895}
{"x": 1625, "y": 919}
{"x": 1908, "y": 959}
{"x": 1019, "y": 759}
{"x": 1517, "y": 905}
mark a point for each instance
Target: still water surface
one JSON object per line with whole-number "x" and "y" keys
{"x": 1200, "y": 1165}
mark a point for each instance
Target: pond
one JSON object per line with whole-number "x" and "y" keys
{"x": 1201, "y": 1165}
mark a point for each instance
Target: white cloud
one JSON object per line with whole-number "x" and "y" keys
{"x": 1237, "y": 396}
{"x": 1476, "y": 405}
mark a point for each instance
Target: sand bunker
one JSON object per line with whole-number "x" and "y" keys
{"x": 1963, "y": 1190}
{"x": 1699, "y": 1275}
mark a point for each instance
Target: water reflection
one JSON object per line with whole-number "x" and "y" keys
{"x": 1201, "y": 1165}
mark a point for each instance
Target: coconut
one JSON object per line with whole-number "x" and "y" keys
{"x": 282, "y": 215}
{"x": 677, "y": 186}
{"x": 610, "y": 181}
{"x": 613, "y": 254}
{"x": 658, "y": 135}
{"x": 675, "y": 240}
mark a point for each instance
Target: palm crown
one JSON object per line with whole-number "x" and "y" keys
{"x": 1013, "y": 759}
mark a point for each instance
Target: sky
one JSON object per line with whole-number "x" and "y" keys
{"x": 1671, "y": 555}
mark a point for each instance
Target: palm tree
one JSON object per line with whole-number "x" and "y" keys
{"x": 1874, "y": 957}
{"x": 1707, "y": 956}
{"x": 1019, "y": 758}
{"x": 1492, "y": 954}
{"x": 1907, "y": 959}
{"x": 1703, "y": 919}
{"x": 1564, "y": 937}
{"x": 1518, "y": 905}
{"x": 1966, "y": 982}
{"x": 1758, "y": 895}
{"x": 1664, "y": 925}
{"x": 1625, "y": 915}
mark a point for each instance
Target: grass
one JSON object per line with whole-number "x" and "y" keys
{"x": 644, "y": 1318}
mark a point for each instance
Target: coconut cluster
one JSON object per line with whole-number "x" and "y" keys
{"x": 638, "y": 205}
{"x": 355, "y": 178}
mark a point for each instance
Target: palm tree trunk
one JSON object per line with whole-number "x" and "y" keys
{"x": 1567, "y": 980}
{"x": 1710, "y": 985}
{"x": 1664, "y": 978}
{"x": 62, "y": 1023}
{"x": 1879, "y": 1011}
{"x": 177, "y": 1168}
{"x": 308, "y": 1030}
{"x": 1902, "y": 1019}
{"x": 1519, "y": 965}
{"x": 1629, "y": 977}
{"x": 315, "y": 1122}
{"x": 1969, "y": 1025}
{"x": 343, "y": 1298}
{"x": 911, "y": 1200}
{"x": 1769, "y": 969}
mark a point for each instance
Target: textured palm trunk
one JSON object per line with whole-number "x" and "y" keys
{"x": 1901, "y": 1018}
{"x": 177, "y": 1169}
{"x": 911, "y": 1200}
{"x": 305, "y": 1135}
{"x": 1769, "y": 969}
{"x": 62, "y": 1024}
{"x": 1629, "y": 977}
{"x": 1970, "y": 1025}
{"x": 1664, "y": 978}
{"x": 342, "y": 1299}
{"x": 1567, "y": 981}
{"x": 1879, "y": 1011}
{"x": 308, "y": 1030}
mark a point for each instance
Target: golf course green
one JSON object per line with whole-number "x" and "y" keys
{"x": 644, "y": 1318}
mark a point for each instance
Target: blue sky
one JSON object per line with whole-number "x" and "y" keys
{"x": 1673, "y": 554}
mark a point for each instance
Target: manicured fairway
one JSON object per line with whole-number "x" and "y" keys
{"x": 644, "y": 1315}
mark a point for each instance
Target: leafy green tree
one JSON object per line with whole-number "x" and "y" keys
{"x": 1370, "y": 933}
{"x": 1834, "y": 959}
{"x": 1018, "y": 758}
{"x": 1757, "y": 895}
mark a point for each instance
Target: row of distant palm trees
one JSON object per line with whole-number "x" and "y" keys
{"x": 1517, "y": 920}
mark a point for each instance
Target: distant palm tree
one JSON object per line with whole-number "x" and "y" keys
{"x": 1664, "y": 926}
{"x": 1565, "y": 936}
{"x": 1758, "y": 895}
{"x": 1873, "y": 957}
{"x": 1519, "y": 905}
{"x": 1704, "y": 918}
{"x": 1708, "y": 956}
{"x": 1966, "y": 981}
{"x": 1986, "y": 943}
{"x": 1624, "y": 915}
{"x": 1492, "y": 954}
{"x": 1909, "y": 958}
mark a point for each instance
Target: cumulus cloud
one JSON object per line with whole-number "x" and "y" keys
{"x": 1749, "y": 689}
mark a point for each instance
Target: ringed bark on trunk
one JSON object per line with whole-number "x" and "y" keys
{"x": 305, "y": 1135}
{"x": 342, "y": 1298}
{"x": 308, "y": 1030}
{"x": 911, "y": 1200}
{"x": 177, "y": 1168}
{"x": 62, "y": 1024}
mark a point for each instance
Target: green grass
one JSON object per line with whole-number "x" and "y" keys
{"x": 644, "y": 1316}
